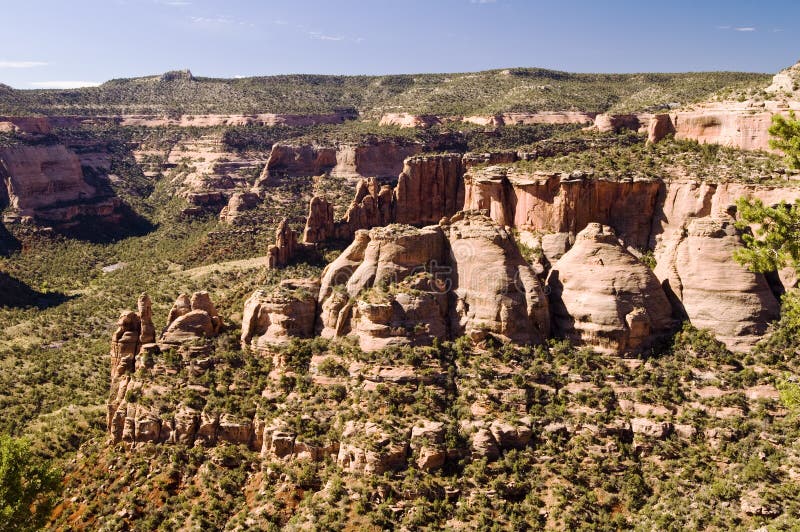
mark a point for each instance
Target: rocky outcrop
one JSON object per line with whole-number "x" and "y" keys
{"x": 382, "y": 159}
{"x": 190, "y": 319}
{"x": 602, "y": 296}
{"x": 406, "y": 120}
{"x": 275, "y": 317}
{"x": 712, "y": 290}
{"x": 238, "y": 203}
{"x": 320, "y": 221}
{"x": 659, "y": 127}
{"x": 541, "y": 117}
{"x": 429, "y": 188}
{"x": 46, "y": 182}
{"x": 742, "y": 123}
{"x": 285, "y": 246}
{"x": 496, "y": 292}
{"x": 31, "y": 125}
{"x": 402, "y": 285}
{"x": 384, "y": 257}
{"x": 563, "y": 203}
{"x": 300, "y": 160}
{"x": 606, "y": 123}
{"x": 145, "y": 312}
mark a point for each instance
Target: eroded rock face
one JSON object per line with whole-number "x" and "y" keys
{"x": 381, "y": 159}
{"x": 659, "y": 127}
{"x": 385, "y": 256}
{"x": 319, "y": 223}
{"x": 285, "y": 246}
{"x": 46, "y": 182}
{"x": 564, "y": 203}
{"x": 428, "y": 189}
{"x": 712, "y": 290}
{"x": 148, "y": 330}
{"x": 464, "y": 277}
{"x": 302, "y": 160}
{"x": 192, "y": 318}
{"x": 603, "y": 297}
{"x": 615, "y": 123}
{"x": 287, "y": 312}
{"x": 409, "y": 120}
{"x": 238, "y": 203}
{"x": 496, "y": 292}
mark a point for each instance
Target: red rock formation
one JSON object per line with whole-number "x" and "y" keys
{"x": 602, "y": 296}
{"x": 409, "y": 120}
{"x": 287, "y": 312}
{"x": 237, "y": 204}
{"x": 615, "y": 123}
{"x": 36, "y": 125}
{"x": 302, "y": 160}
{"x": 659, "y": 127}
{"x": 559, "y": 203}
{"x": 712, "y": 290}
{"x": 285, "y": 246}
{"x": 430, "y": 188}
{"x": 46, "y": 183}
{"x": 319, "y": 223}
{"x": 376, "y": 159}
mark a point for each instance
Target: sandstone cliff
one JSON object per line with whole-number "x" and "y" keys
{"x": 602, "y": 296}
{"x": 465, "y": 277}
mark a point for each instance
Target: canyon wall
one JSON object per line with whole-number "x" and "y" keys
{"x": 47, "y": 183}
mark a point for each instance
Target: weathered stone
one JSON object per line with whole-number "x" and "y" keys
{"x": 604, "y": 297}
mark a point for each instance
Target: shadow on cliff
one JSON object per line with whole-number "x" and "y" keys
{"x": 104, "y": 230}
{"x": 16, "y": 294}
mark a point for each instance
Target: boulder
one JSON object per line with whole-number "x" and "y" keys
{"x": 604, "y": 297}
{"x": 427, "y": 442}
{"x": 484, "y": 445}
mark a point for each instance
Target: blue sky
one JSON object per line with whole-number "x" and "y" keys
{"x": 54, "y": 43}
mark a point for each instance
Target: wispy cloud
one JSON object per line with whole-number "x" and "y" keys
{"x": 63, "y": 84}
{"x": 737, "y": 28}
{"x": 319, "y": 36}
{"x": 177, "y": 3}
{"x": 22, "y": 64}
{"x": 482, "y": 1}
{"x": 219, "y": 21}
{"x": 322, "y": 37}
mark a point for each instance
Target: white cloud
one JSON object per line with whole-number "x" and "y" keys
{"x": 178, "y": 3}
{"x": 482, "y": 1}
{"x": 21, "y": 64}
{"x": 322, "y": 37}
{"x": 745, "y": 28}
{"x": 64, "y": 84}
